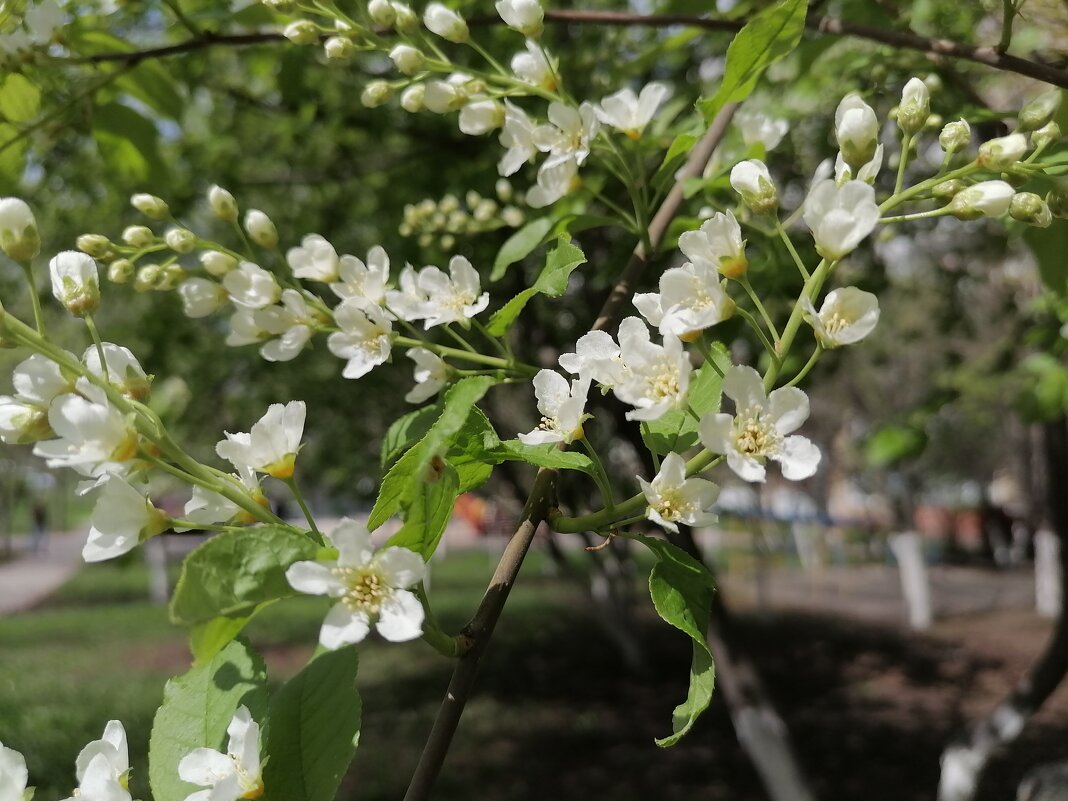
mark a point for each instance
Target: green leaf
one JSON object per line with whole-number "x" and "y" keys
{"x": 429, "y": 513}
{"x": 208, "y": 638}
{"x": 129, "y": 143}
{"x": 552, "y": 281}
{"x": 520, "y": 245}
{"x": 400, "y": 484}
{"x": 196, "y": 710}
{"x": 314, "y": 728}
{"x": 545, "y": 456}
{"x": 152, "y": 84}
{"x": 231, "y": 574}
{"x": 766, "y": 38}
{"x": 474, "y": 452}
{"x": 677, "y": 430}
{"x": 12, "y": 153}
{"x": 1050, "y": 246}
{"x": 406, "y": 431}
{"x": 893, "y": 444}
{"x": 20, "y": 99}
{"x": 681, "y": 589}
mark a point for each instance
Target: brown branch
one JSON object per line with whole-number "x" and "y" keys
{"x": 834, "y": 26}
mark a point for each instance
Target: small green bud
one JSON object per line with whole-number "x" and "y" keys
{"x": 138, "y": 236}
{"x": 948, "y": 189}
{"x": 955, "y": 136}
{"x": 1057, "y": 200}
{"x": 147, "y": 277}
{"x": 914, "y": 108}
{"x": 339, "y": 48}
{"x": 376, "y": 93}
{"x": 1046, "y": 135}
{"x": 1040, "y": 110}
{"x": 406, "y": 20}
{"x": 382, "y": 13}
{"x": 121, "y": 271}
{"x": 216, "y": 263}
{"x": 180, "y": 240}
{"x": 302, "y": 32}
{"x": 1030, "y": 208}
{"x": 223, "y": 204}
{"x": 169, "y": 277}
{"x": 153, "y": 207}
{"x": 411, "y": 99}
{"x": 1003, "y": 152}
{"x": 96, "y": 245}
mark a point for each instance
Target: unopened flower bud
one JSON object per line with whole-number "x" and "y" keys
{"x": 408, "y": 59}
{"x": 96, "y": 245}
{"x": 216, "y": 263}
{"x": 138, "y": 236}
{"x": 1003, "y": 152}
{"x": 146, "y": 278}
{"x": 382, "y": 13}
{"x": 934, "y": 122}
{"x": 376, "y": 93}
{"x": 752, "y": 181}
{"x": 170, "y": 277}
{"x": 180, "y": 240}
{"x": 914, "y": 108}
{"x": 512, "y": 216}
{"x": 857, "y": 130}
{"x": 504, "y": 191}
{"x": 407, "y": 20}
{"x": 281, "y": 6}
{"x": 75, "y": 282}
{"x": 155, "y": 208}
{"x": 955, "y": 136}
{"x": 120, "y": 271}
{"x": 412, "y": 98}
{"x": 260, "y": 229}
{"x": 1046, "y": 135}
{"x": 481, "y": 117}
{"x": 1030, "y": 208}
{"x": 948, "y": 189}
{"x": 19, "y": 238}
{"x": 525, "y": 16}
{"x": 301, "y": 32}
{"x": 223, "y": 204}
{"x": 339, "y": 48}
{"x": 984, "y": 199}
{"x": 446, "y": 23}
{"x": 1040, "y": 110}
{"x": 1057, "y": 200}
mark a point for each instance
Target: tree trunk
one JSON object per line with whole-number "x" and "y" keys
{"x": 964, "y": 761}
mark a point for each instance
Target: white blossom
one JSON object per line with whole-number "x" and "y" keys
{"x": 371, "y": 588}
{"x": 915, "y": 106}
{"x": 556, "y": 178}
{"x": 272, "y": 444}
{"x": 260, "y": 228}
{"x": 691, "y": 299}
{"x": 407, "y": 59}
{"x": 753, "y": 182}
{"x": 359, "y": 280}
{"x": 216, "y": 263}
{"x": 19, "y": 238}
{"x": 441, "y": 97}
{"x": 857, "y": 130}
{"x": 866, "y": 172}
{"x": 657, "y": 377}
{"x": 223, "y": 203}
{"x": 124, "y": 371}
{"x": 517, "y": 137}
{"x": 568, "y": 133}
{"x": 201, "y": 297}
{"x": 208, "y": 507}
{"x": 93, "y": 437}
{"x": 674, "y": 499}
{"x": 719, "y": 243}
{"x": 535, "y": 67}
{"x": 291, "y": 324}
{"x": 122, "y": 518}
{"x": 597, "y": 356}
{"x": 452, "y": 298}
{"x": 43, "y": 21}
{"x": 846, "y": 316}
{"x": 75, "y": 282}
{"x": 1003, "y": 152}
{"x": 252, "y": 286}
{"x": 230, "y": 776}
{"x": 314, "y": 260}
{"x": 760, "y": 129}
{"x": 365, "y": 338}
{"x": 13, "y": 775}
{"x": 244, "y": 330}
{"x": 481, "y": 116}
{"x": 840, "y": 216}
{"x": 761, "y": 428}
{"x": 525, "y": 16}
{"x": 562, "y": 407}
{"x": 103, "y": 767}
{"x": 984, "y": 199}
{"x": 24, "y": 416}
{"x": 431, "y": 374}
{"x": 446, "y": 23}
{"x": 629, "y": 112}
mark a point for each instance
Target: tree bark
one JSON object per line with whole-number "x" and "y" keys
{"x": 964, "y": 761}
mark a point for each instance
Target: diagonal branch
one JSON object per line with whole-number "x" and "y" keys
{"x": 932, "y": 46}
{"x": 479, "y": 631}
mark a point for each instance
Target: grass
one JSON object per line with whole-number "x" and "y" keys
{"x": 99, "y": 650}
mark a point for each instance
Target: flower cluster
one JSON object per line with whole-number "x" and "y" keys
{"x": 450, "y": 217}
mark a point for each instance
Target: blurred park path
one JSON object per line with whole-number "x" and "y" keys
{"x": 28, "y": 578}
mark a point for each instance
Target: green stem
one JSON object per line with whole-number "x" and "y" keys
{"x": 907, "y": 194}
{"x": 179, "y": 522}
{"x": 785, "y": 237}
{"x": 919, "y": 215}
{"x": 433, "y": 635}
{"x": 755, "y": 325}
{"x": 35, "y": 299}
{"x": 702, "y": 346}
{"x": 744, "y": 281}
{"x": 815, "y": 357}
{"x": 656, "y": 456}
{"x": 495, "y": 341}
{"x": 810, "y": 290}
{"x": 99, "y": 345}
{"x": 291, "y": 482}
{"x": 489, "y": 59}
{"x": 906, "y": 144}
{"x": 478, "y": 358}
{"x": 463, "y": 343}
{"x": 601, "y": 476}
{"x": 1008, "y": 10}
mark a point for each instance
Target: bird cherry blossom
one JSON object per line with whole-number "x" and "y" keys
{"x": 846, "y": 316}
{"x": 718, "y": 242}
{"x": 75, "y": 282}
{"x": 534, "y": 66}
{"x": 291, "y": 324}
{"x": 691, "y": 299}
{"x": 840, "y": 216}
{"x": 431, "y": 374}
{"x": 365, "y": 337}
{"x": 103, "y": 767}
{"x": 629, "y": 112}
{"x": 314, "y": 260}
{"x": 525, "y": 16}
{"x": 657, "y": 377}
{"x": 271, "y": 445}
{"x": 251, "y": 286}
{"x": 124, "y": 371}
{"x": 230, "y": 776}
{"x": 93, "y": 437}
{"x": 201, "y": 297}
{"x": 122, "y": 518}
{"x": 13, "y": 775}
{"x": 760, "y": 429}
{"x": 856, "y": 128}
{"x": 371, "y": 588}
{"x": 357, "y": 279}
{"x": 517, "y": 137}
{"x": 562, "y": 407}
{"x": 24, "y": 416}
{"x": 675, "y": 499}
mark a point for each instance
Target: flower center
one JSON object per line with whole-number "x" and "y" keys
{"x": 836, "y": 322}
{"x": 663, "y": 381}
{"x": 754, "y": 435}
{"x": 673, "y": 506}
{"x": 367, "y": 590}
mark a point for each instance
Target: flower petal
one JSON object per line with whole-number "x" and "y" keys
{"x": 400, "y": 567}
{"x": 402, "y": 617}
{"x": 343, "y": 626}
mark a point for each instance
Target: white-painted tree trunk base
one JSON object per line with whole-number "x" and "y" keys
{"x": 908, "y": 550}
